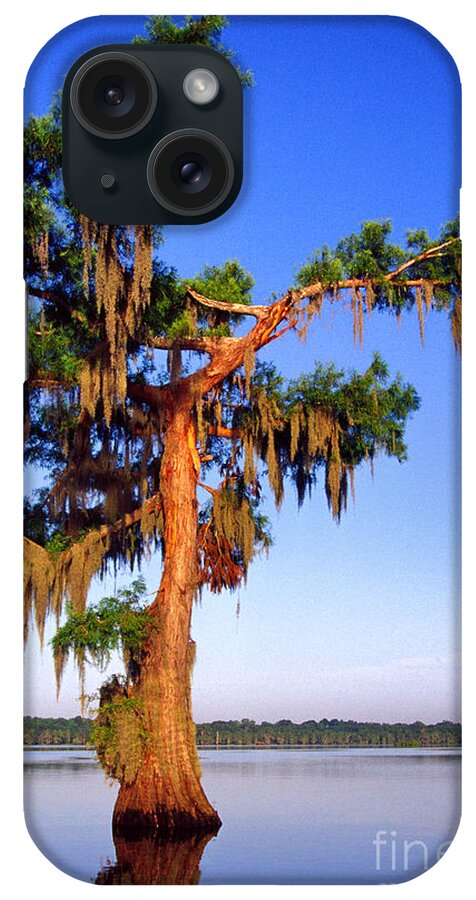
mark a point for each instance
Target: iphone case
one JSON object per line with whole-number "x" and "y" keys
{"x": 204, "y": 409}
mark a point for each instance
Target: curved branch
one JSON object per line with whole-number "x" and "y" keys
{"x": 232, "y": 355}
{"x": 154, "y": 395}
{"x": 233, "y": 308}
{"x": 431, "y": 253}
{"x": 206, "y": 487}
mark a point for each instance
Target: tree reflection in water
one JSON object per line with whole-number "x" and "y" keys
{"x": 156, "y": 861}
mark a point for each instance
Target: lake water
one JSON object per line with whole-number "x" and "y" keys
{"x": 290, "y": 816}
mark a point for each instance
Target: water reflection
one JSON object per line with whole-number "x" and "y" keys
{"x": 155, "y": 861}
{"x": 290, "y": 816}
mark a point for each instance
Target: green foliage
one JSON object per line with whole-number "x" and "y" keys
{"x": 56, "y": 731}
{"x": 329, "y": 733}
{"x": 58, "y": 543}
{"x": 371, "y": 410}
{"x": 230, "y": 283}
{"x": 182, "y": 326}
{"x": 119, "y": 734}
{"x": 323, "y": 266}
{"x": 367, "y": 254}
{"x": 42, "y": 159}
{"x": 99, "y": 298}
{"x": 326, "y": 732}
{"x": 115, "y": 623}
{"x": 50, "y": 424}
{"x": 445, "y": 267}
{"x": 370, "y": 255}
{"x": 203, "y": 30}
{"x": 325, "y": 419}
{"x": 51, "y": 353}
{"x": 215, "y": 331}
{"x": 35, "y": 526}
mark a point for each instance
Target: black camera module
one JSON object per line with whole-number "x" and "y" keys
{"x": 190, "y": 172}
{"x": 113, "y": 95}
{"x": 152, "y": 134}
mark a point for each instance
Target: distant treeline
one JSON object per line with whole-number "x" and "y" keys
{"x": 245, "y": 732}
{"x": 330, "y": 731}
{"x": 56, "y": 731}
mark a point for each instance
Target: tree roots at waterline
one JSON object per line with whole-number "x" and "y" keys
{"x": 145, "y": 738}
{"x": 140, "y": 813}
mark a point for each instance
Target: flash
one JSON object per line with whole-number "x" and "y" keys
{"x": 201, "y": 86}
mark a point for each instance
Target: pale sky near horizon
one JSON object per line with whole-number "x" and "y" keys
{"x": 358, "y": 620}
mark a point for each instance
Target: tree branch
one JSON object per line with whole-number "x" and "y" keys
{"x": 232, "y": 308}
{"x": 127, "y": 521}
{"x": 60, "y": 301}
{"x": 232, "y": 355}
{"x": 154, "y": 395}
{"x": 427, "y": 254}
{"x": 206, "y": 487}
{"x": 223, "y": 432}
{"x": 202, "y": 345}
{"x": 262, "y": 312}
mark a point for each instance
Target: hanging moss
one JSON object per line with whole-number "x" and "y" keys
{"x": 122, "y": 300}
{"x": 51, "y": 578}
{"x": 428, "y": 293}
{"x": 312, "y": 307}
{"x": 357, "y": 307}
{"x": 88, "y": 230}
{"x": 419, "y": 306}
{"x": 219, "y": 565}
{"x": 139, "y": 295}
{"x": 119, "y": 735}
{"x": 275, "y": 476}
{"x": 369, "y": 298}
{"x": 40, "y": 248}
{"x": 249, "y": 472}
{"x": 249, "y": 361}
{"x": 297, "y": 421}
{"x": 351, "y": 471}
{"x": 456, "y": 323}
{"x": 151, "y": 521}
{"x": 39, "y": 577}
{"x": 336, "y": 488}
{"x": 90, "y": 385}
{"x": 320, "y": 432}
{"x": 233, "y": 518}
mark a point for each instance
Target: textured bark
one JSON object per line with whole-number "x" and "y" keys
{"x": 166, "y": 797}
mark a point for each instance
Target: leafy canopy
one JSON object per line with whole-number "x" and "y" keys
{"x": 117, "y": 339}
{"x": 118, "y": 623}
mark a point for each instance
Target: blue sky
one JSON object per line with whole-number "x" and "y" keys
{"x": 350, "y": 119}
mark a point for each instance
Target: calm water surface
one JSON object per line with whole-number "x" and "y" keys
{"x": 290, "y": 816}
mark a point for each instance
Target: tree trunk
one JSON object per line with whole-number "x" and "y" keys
{"x": 166, "y": 797}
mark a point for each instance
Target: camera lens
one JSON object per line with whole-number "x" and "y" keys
{"x": 190, "y": 172}
{"x": 113, "y": 95}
